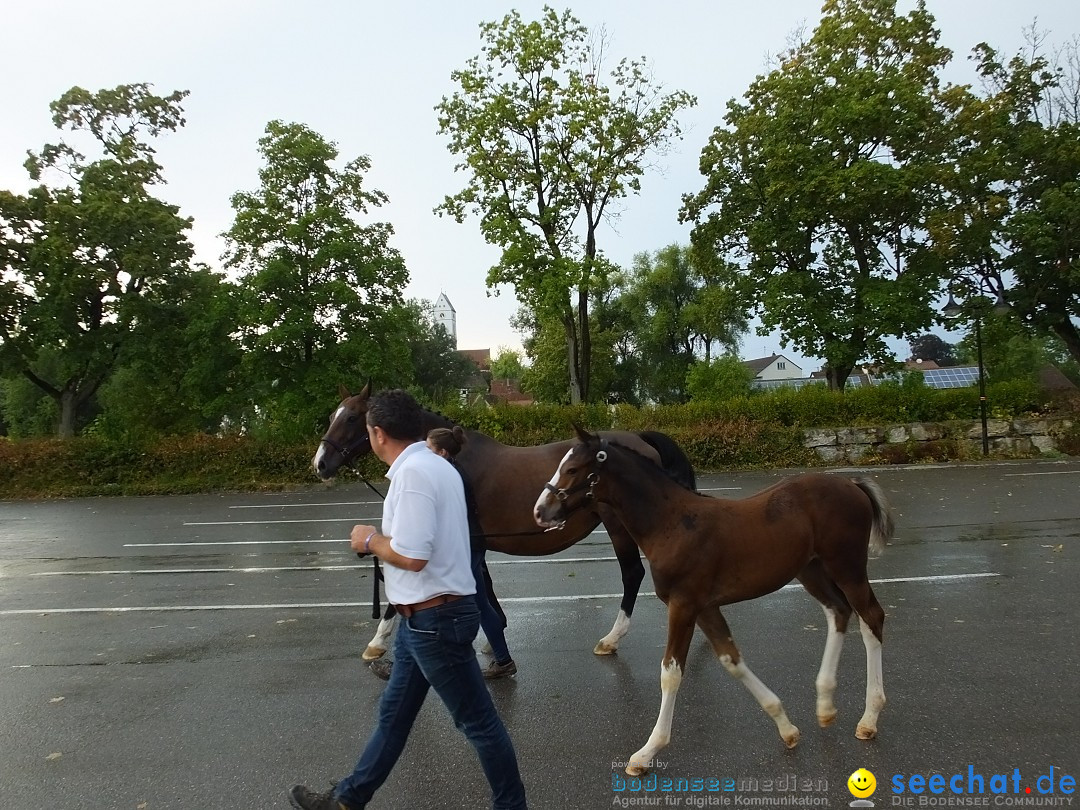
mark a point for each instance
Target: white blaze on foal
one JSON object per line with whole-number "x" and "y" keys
{"x": 548, "y": 491}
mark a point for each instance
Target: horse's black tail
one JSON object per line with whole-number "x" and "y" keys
{"x": 672, "y": 457}
{"x": 882, "y": 529}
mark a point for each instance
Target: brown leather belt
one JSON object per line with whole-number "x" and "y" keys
{"x": 435, "y": 601}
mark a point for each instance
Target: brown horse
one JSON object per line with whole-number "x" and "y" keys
{"x": 504, "y": 481}
{"x": 707, "y": 552}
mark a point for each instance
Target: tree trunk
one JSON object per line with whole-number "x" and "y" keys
{"x": 837, "y": 376}
{"x": 68, "y": 408}
{"x": 572, "y": 351}
{"x": 584, "y": 351}
{"x": 1069, "y": 336}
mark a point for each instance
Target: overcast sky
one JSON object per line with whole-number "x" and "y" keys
{"x": 368, "y": 75}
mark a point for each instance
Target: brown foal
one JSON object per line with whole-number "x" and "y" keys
{"x": 708, "y": 552}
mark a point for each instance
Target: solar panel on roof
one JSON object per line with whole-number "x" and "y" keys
{"x": 955, "y": 377}
{"x": 958, "y": 377}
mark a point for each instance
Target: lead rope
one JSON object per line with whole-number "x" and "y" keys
{"x": 376, "y": 608}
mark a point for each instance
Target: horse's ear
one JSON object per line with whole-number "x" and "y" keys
{"x": 582, "y": 434}
{"x": 343, "y": 392}
{"x": 365, "y": 392}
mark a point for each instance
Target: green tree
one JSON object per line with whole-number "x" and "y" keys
{"x": 185, "y": 376}
{"x": 507, "y": 365}
{"x": 820, "y": 181}
{"x": 723, "y": 378}
{"x": 673, "y": 316}
{"x": 545, "y": 345}
{"x": 27, "y": 410}
{"x": 320, "y": 293}
{"x": 83, "y": 260}
{"x": 436, "y": 369}
{"x": 551, "y": 149}
{"x": 1037, "y": 101}
{"x": 1010, "y": 225}
{"x": 932, "y": 347}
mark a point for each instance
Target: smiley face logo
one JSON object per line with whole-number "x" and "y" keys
{"x": 861, "y": 783}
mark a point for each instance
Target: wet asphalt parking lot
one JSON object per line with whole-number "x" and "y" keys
{"x": 204, "y": 652}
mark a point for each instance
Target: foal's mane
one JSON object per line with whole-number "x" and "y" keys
{"x": 649, "y": 466}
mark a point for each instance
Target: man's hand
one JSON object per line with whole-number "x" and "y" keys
{"x": 360, "y": 539}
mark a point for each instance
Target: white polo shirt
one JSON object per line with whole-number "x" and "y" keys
{"x": 425, "y": 518}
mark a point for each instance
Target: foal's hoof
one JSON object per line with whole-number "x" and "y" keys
{"x": 603, "y": 648}
{"x": 371, "y": 653}
{"x": 826, "y": 720}
{"x": 791, "y": 739}
{"x": 636, "y": 770}
{"x": 865, "y": 733}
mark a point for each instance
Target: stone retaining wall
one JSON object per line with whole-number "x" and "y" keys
{"x": 1018, "y": 438}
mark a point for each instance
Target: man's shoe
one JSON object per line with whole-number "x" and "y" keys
{"x": 303, "y": 799}
{"x": 380, "y": 668}
{"x": 496, "y": 670}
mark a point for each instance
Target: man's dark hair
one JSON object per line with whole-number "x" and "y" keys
{"x": 397, "y": 413}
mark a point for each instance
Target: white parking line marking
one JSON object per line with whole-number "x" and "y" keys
{"x": 295, "y": 505}
{"x": 233, "y": 543}
{"x": 298, "y": 520}
{"x": 269, "y": 569}
{"x": 311, "y": 605}
{"x": 1055, "y": 472}
{"x": 209, "y": 543}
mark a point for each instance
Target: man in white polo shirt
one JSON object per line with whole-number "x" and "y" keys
{"x": 424, "y": 541}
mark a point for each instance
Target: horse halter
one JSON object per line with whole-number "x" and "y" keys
{"x": 588, "y": 484}
{"x": 346, "y": 452}
{"x": 349, "y": 450}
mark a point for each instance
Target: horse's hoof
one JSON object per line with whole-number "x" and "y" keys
{"x": 371, "y": 653}
{"x": 865, "y": 733}
{"x": 603, "y": 648}
{"x": 636, "y": 770}
{"x": 826, "y": 720}
{"x": 792, "y": 738}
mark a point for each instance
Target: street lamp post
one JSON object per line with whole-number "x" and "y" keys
{"x": 982, "y": 385}
{"x": 954, "y": 310}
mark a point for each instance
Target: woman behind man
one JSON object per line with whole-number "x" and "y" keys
{"x": 447, "y": 442}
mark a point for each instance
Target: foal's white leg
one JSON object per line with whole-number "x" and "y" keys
{"x": 380, "y": 642}
{"x": 670, "y": 678}
{"x": 610, "y": 643}
{"x": 764, "y": 696}
{"x": 875, "y": 686}
{"x": 826, "y": 677}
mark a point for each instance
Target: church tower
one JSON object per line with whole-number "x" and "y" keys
{"x": 446, "y": 316}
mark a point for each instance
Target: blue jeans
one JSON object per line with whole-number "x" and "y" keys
{"x": 434, "y": 648}
{"x": 490, "y": 620}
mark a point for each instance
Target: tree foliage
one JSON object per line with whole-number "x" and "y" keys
{"x": 186, "y": 376}
{"x": 932, "y": 347}
{"x": 551, "y": 146}
{"x": 819, "y": 184}
{"x": 1013, "y": 226}
{"x": 507, "y": 365}
{"x": 320, "y": 294}
{"x": 672, "y": 313}
{"x": 85, "y": 261}
{"x": 436, "y": 369}
{"x": 715, "y": 380}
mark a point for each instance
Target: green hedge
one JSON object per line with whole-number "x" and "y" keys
{"x": 763, "y": 430}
